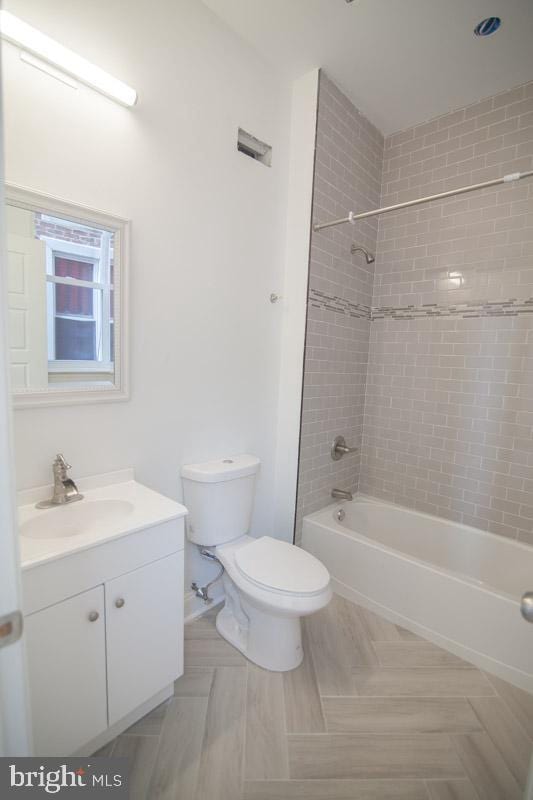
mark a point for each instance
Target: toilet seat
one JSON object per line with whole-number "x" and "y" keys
{"x": 278, "y": 566}
{"x": 277, "y": 601}
{"x": 259, "y": 618}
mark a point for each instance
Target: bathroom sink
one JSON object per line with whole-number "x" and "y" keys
{"x": 78, "y": 518}
{"x": 113, "y": 505}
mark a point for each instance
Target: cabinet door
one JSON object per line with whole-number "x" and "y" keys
{"x": 67, "y": 673}
{"x": 144, "y": 619}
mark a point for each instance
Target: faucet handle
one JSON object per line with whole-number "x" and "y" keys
{"x": 65, "y": 490}
{"x": 61, "y": 461}
{"x": 339, "y": 448}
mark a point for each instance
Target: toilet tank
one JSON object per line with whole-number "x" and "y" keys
{"x": 219, "y": 496}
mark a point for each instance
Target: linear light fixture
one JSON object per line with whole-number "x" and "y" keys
{"x": 28, "y": 38}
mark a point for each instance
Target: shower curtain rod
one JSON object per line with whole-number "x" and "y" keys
{"x": 513, "y": 176}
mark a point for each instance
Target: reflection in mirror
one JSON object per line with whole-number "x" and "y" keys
{"x": 64, "y": 307}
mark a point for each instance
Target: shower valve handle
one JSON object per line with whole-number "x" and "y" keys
{"x": 340, "y": 449}
{"x": 526, "y": 606}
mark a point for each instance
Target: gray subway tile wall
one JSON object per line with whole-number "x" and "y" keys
{"x": 448, "y": 419}
{"x": 448, "y": 425}
{"x": 446, "y": 316}
{"x": 474, "y": 247}
{"x": 349, "y": 155}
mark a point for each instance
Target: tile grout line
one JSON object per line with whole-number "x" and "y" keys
{"x": 487, "y": 731}
{"x": 398, "y": 734}
{"x": 146, "y": 736}
{"x": 156, "y": 755}
{"x": 312, "y": 660}
{"x": 373, "y": 645}
{"x": 508, "y": 707}
{"x": 431, "y": 666}
{"x": 311, "y": 781}
{"x": 456, "y": 750}
{"x": 201, "y": 751}
{"x": 286, "y": 734}
{"x": 244, "y": 735}
{"x": 406, "y": 697}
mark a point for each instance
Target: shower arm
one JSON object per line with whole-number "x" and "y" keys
{"x": 513, "y": 176}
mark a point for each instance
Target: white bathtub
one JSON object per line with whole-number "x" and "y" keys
{"x": 452, "y": 584}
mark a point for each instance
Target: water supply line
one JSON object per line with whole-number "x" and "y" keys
{"x": 203, "y": 591}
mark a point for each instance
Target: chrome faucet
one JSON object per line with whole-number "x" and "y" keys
{"x": 341, "y": 494}
{"x": 65, "y": 490}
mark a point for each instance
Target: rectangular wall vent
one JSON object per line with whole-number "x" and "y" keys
{"x": 254, "y": 148}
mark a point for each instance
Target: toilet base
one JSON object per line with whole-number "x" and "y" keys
{"x": 274, "y": 643}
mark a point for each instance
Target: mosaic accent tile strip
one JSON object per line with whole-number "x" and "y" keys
{"x": 338, "y": 305}
{"x": 498, "y": 308}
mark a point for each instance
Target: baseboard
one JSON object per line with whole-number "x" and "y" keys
{"x": 195, "y": 606}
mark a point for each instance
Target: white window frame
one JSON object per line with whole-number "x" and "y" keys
{"x": 85, "y": 388}
{"x": 100, "y": 257}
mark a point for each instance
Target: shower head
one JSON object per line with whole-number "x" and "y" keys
{"x": 370, "y": 258}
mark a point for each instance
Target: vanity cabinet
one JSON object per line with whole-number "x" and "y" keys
{"x": 67, "y": 672}
{"x": 104, "y": 637}
{"x": 144, "y": 612}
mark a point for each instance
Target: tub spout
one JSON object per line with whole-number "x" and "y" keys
{"x": 341, "y": 494}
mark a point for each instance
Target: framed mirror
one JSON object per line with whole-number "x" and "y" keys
{"x": 67, "y": 276}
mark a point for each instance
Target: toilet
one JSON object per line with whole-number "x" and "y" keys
{"x": 268, "y": 584}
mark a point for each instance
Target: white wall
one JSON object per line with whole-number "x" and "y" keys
{"x": 294, "y": 301}
{"x": 208, "y": 234}
{"x": 14, "y": 719}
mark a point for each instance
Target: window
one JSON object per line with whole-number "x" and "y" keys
{"x": 79, "y": 275}
{"x": 67, "y": 268}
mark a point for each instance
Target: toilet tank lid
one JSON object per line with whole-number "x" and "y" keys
{"x": 223, "y": 469}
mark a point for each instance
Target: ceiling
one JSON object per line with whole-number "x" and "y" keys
{"x": 400, "y": 61}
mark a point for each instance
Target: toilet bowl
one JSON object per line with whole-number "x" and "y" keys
{"x": 268, "y": 584}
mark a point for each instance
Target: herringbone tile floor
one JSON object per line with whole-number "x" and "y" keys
{"x": 373, "y": 713}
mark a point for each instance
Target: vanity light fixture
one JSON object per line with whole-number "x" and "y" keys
{"x": 30, "y": 39}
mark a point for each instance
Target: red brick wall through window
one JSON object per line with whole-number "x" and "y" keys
{"x": 74, "y": 300}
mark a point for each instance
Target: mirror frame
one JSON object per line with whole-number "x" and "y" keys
{"x": 91, "y": 393}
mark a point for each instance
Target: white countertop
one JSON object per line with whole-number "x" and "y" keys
{"x": 146, "y": 508}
